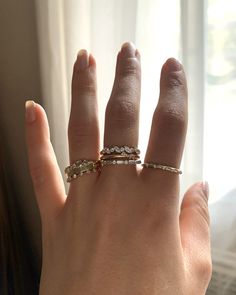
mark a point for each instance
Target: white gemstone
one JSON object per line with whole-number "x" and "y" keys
{"x": 127, "y": 149}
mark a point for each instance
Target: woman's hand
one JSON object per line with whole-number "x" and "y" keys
{"x": 120, "y": 231}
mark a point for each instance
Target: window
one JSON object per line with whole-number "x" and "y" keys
{"x": 220, "y": 99}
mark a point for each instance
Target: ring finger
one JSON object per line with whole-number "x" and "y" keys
{"x": 169, "y": 125}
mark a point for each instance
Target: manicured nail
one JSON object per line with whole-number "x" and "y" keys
{"x": 205, "y": 188}
{"x": 172, "y": 65}
{"x": 82, "y": 59}
{"x": 30, "y": 115}
{"x": 128, "y": 49}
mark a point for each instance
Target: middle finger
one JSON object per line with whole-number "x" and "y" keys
{"x": 122, "y": 112}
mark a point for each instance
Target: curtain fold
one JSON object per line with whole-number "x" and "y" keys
{"x": 52, "y": 51}
{"x": 193, "y": 55}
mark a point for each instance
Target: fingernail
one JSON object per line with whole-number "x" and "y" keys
{"x": 128, "y": 49}
{"x": 172, "y": 65}
{"x": 30, "y": 115}
{"x": 82, "y": 59}
{"x": 205, "y": 188}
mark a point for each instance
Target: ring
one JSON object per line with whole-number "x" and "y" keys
{"x": 81, "y": 167}
{"x": 162, "y": 167}
{"x": 119, "y": 162}
{"x": 126, "y": 156}
{"x": 120, "y": 150}
{"x": 119, "y": 155}
{"x": 123, "y": 155}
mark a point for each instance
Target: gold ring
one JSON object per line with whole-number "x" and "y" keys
{"x": 125, "y": 157}
{"x": 119, "y": 155}
{"x": 120, "y": 150}
{"x": 162, "y": 167}
{"x": 119, "y": 162}
{"x": 81, "y": 167}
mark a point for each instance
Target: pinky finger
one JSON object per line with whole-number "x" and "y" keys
{"x": 46, "y": 177}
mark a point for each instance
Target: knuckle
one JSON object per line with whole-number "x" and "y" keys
{"x": 86, "y": 87}
{"x": 79, "y": 133}
{"x": 122, "y": 111}
{"x": 85, "y": 82}
{"x": 171, "y": 116}
{"x": 175, "y": 79}
{"x": 130, "y": 67}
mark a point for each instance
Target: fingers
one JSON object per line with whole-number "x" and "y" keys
{"x": 169, "y": 122}
{"x": 194, "y": 228}
{"x": 83, "y": 129}
{"x": 122, "y": 112}
{"x": 44, "y": 170}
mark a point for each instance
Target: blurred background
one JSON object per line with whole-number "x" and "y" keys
{"x": 39, "y": 43}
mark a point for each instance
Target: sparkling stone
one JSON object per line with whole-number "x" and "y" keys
{"x": 116, "y": 148}
{"x": 127, "y": 149}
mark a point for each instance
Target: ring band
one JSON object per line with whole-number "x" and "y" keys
{"x": 115, "y": 155}
{"x": 125, "y": 157}
{"x": 81, "y": 167}
{"x": 119, "y": 155}
{"x": 119, "y": 162}
{"x": 120, "y": 150}
{"x": 162, "y": 167}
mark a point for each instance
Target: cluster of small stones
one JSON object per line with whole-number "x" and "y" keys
{"x": 81, "y": 164}
{"x": 73, "y": 176}
{"x": 81, "y": 167}
{"x": 119, "y": 150}
{"x": 120, "y": 162}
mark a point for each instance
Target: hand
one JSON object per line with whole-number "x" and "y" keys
{"x": 120, "y": 231}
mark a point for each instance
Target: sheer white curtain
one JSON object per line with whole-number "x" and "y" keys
{"x": 101, "y": 27}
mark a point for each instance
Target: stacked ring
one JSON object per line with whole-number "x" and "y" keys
{"x": 114, "y": 155}
{"x": 120, "y": 155}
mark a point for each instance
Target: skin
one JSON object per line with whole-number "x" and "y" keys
{"x": 121, "y": 231}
